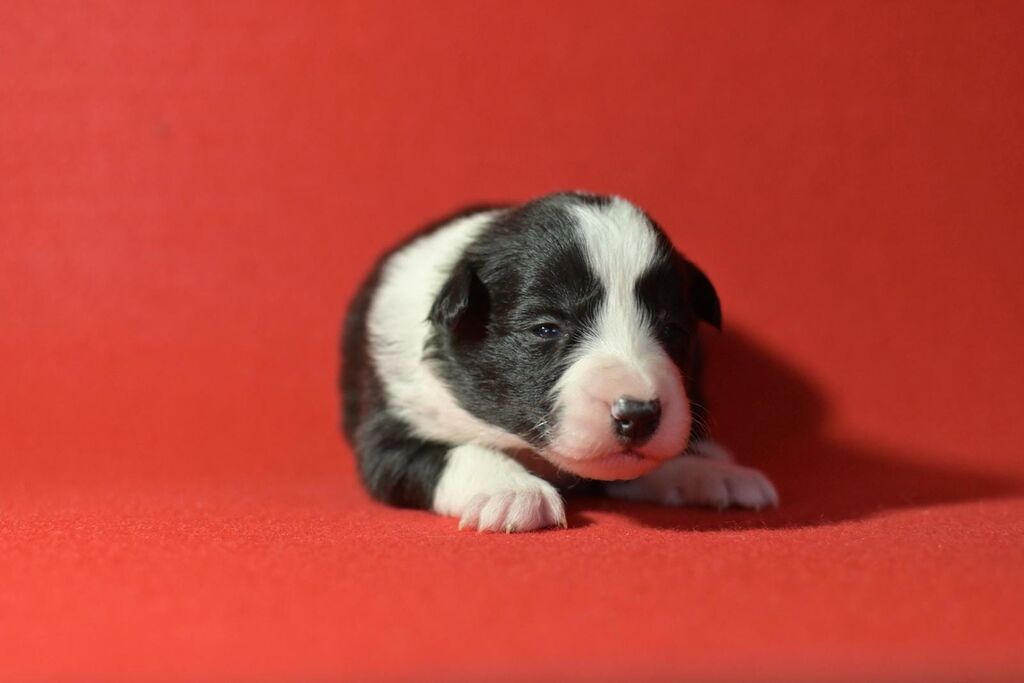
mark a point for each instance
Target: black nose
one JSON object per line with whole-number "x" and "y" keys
{"x": 635, "y": 421}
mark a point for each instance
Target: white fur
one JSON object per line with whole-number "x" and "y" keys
{"x": 490, "y": 491}
{"x": 398, "y": 329}
{"x": 620, "y": 357}
{"x": 707, "y": 477}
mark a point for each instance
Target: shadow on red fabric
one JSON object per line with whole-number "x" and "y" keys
{"x": 776, "y": 417}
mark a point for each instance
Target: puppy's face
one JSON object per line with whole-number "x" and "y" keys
{"x": 570, "y": 325}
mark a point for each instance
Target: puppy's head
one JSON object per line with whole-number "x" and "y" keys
{"x": 569, "y": 324}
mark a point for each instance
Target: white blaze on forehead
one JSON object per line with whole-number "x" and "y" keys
{"x": 620, "y": 246}
{"x": 619, "y": 356}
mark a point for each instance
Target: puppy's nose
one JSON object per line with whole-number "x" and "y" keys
{"x": 634, "y": 420}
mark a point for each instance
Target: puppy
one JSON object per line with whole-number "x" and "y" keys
{"x": 507, "y": 352}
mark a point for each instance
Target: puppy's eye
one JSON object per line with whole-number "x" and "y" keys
{"x": 672, "y": 330}
{"x": 547, "y": 331}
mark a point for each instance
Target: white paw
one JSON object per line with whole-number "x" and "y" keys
{"x": 489, "y": 491}
{"x": 509, "y": 511}
{"x": 692, "y": 480}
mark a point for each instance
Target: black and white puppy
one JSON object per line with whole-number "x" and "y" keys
{"x": 506, "y": 352}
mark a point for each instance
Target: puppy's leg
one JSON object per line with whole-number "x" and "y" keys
{"x": 397, "y": 467}
{"x": 485, "y": 488}
{"x": 489, "y": 491}
{"x": 705, "y": 475}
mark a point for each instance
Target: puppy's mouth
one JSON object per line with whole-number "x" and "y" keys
{"x": 615, "y": 465}
{"x": 624, "y": 457}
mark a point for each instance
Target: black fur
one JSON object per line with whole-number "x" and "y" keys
{"x": 524, "y": 270}
{"x": 397, "y": 467}
{"x": 494, "y": 333}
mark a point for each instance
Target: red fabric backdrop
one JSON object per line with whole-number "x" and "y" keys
{"x": 190, "y": 192}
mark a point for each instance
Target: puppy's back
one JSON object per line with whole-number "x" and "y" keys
{"x": 361, "y": 386}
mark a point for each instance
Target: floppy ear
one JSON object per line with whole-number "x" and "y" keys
{"x": 462, "y": 305}
{"x": 705, "y": 298}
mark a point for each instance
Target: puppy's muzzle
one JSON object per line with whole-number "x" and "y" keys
{"x": 635, "y": 421}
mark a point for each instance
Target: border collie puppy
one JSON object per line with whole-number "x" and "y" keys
{"x": 507, "y": 352}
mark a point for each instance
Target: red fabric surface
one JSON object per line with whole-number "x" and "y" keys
{"x": 189, "y": 192}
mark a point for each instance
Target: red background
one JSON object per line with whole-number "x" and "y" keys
{"x": 190, "y": 192}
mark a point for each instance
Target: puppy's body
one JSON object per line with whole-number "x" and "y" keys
{"x": 505, "y": 350}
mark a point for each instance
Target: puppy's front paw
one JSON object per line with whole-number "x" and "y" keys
{"x": 489, "y": 491}
{"x": 691, "y": 480}
{"x": 514, "y": 510}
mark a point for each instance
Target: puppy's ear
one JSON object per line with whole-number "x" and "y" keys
{"x": 705, "y": 298}
{"x": 462, "y": 305}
